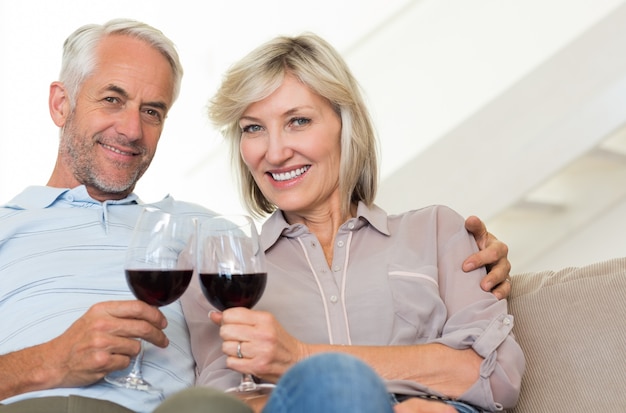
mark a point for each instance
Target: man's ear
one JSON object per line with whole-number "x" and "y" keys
{"x": 59, "y": 104}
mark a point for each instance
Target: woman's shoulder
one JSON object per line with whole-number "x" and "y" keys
{"x": 433, "y": 219}
{"x": 428, "y": 212}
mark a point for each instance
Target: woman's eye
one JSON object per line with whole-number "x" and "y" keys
{"x": 300, "y": 121}
{"x": 250, "y": 128}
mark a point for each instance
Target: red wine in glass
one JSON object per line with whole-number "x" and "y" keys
{"x": 233, "y": 290}
{"x": 158, "y": 287}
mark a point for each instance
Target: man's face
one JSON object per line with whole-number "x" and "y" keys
{"x": 110, "y": 138}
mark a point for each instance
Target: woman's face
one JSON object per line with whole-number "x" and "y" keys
{"x": 291, "y": 144}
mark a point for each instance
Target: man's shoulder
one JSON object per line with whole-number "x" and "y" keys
{"x": 33, "y": 197}
{"x": 181, "y": 207}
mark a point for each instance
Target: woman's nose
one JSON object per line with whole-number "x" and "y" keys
{"x": 278, "y": 148}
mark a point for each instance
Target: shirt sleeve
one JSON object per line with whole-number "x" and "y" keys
{"x": 206, "y": 347}
{"x": 476, "y": 319}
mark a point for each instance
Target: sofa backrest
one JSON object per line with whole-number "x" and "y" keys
{"x": 571, "y": 325}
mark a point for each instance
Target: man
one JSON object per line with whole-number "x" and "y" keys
{"x": 68, "y": 317}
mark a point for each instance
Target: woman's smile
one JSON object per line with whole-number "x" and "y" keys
{"x": 289, "y": 175}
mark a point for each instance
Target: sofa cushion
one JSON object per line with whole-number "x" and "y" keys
{"x": 571, "y": 325}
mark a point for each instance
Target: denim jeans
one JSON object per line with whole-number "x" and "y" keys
{"x": 330, "y": 382}
{"x": 459, "y": 406}
{"x": 334, "y": 382}
{"x": 462, "y": 407}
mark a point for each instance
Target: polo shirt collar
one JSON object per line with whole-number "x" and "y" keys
{"x": 276, "y": 225}
{"x": 38, "y": 197}
{"x": 376, "y": 216}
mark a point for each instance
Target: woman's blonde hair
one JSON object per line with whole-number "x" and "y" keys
{"x": 321, "y": 68}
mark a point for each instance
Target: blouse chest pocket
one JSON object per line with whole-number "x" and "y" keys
{"x": 420, "y": 312}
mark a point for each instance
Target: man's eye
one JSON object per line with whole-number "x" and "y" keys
{"x": 111, "y": 99}
{"x": 153, "y": 114}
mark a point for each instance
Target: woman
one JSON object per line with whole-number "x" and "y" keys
{"x": 343, "y": 275}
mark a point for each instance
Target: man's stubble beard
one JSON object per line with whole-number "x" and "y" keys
{"x": 79, "y": 154}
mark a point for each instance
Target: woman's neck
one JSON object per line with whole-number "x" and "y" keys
{"x": 324, "y": 223}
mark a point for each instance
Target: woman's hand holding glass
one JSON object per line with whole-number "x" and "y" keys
{"x": 267, "y": 349}
{"x": 232, "y": 273}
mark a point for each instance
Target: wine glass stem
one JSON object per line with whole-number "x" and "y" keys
{"x": 136, "y": 370}
{"x": 247, "y": 382}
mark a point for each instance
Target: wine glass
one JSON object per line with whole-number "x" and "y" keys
{"x": 232, "y": 273}
{"x": 159, "y": 265}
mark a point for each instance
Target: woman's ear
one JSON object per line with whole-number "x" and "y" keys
{"x": 59, "y": 104}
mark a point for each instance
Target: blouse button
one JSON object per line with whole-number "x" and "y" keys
{"x": 333, "y": 299}
{"x": 340, "y": 244}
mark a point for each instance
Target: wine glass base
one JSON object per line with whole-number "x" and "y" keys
{"x": 247, "y": 391}
{"x": 133, "y": 383}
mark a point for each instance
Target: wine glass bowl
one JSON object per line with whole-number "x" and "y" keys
{"x": 232, "y": 273}
{"x": 158, "y": 287}
{"x": 158, "y": 266}
{"x": 231, "y": 263}
{"x": 227, "y": 290}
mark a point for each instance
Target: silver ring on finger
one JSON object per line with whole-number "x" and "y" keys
{"x": 239, "y": 355}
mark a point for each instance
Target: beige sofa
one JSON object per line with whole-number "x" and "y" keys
{"x": 571, "y": 325}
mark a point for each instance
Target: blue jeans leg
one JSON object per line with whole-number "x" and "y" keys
{"x": 462, "y": 407}
{"x": 330, "y": 382}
